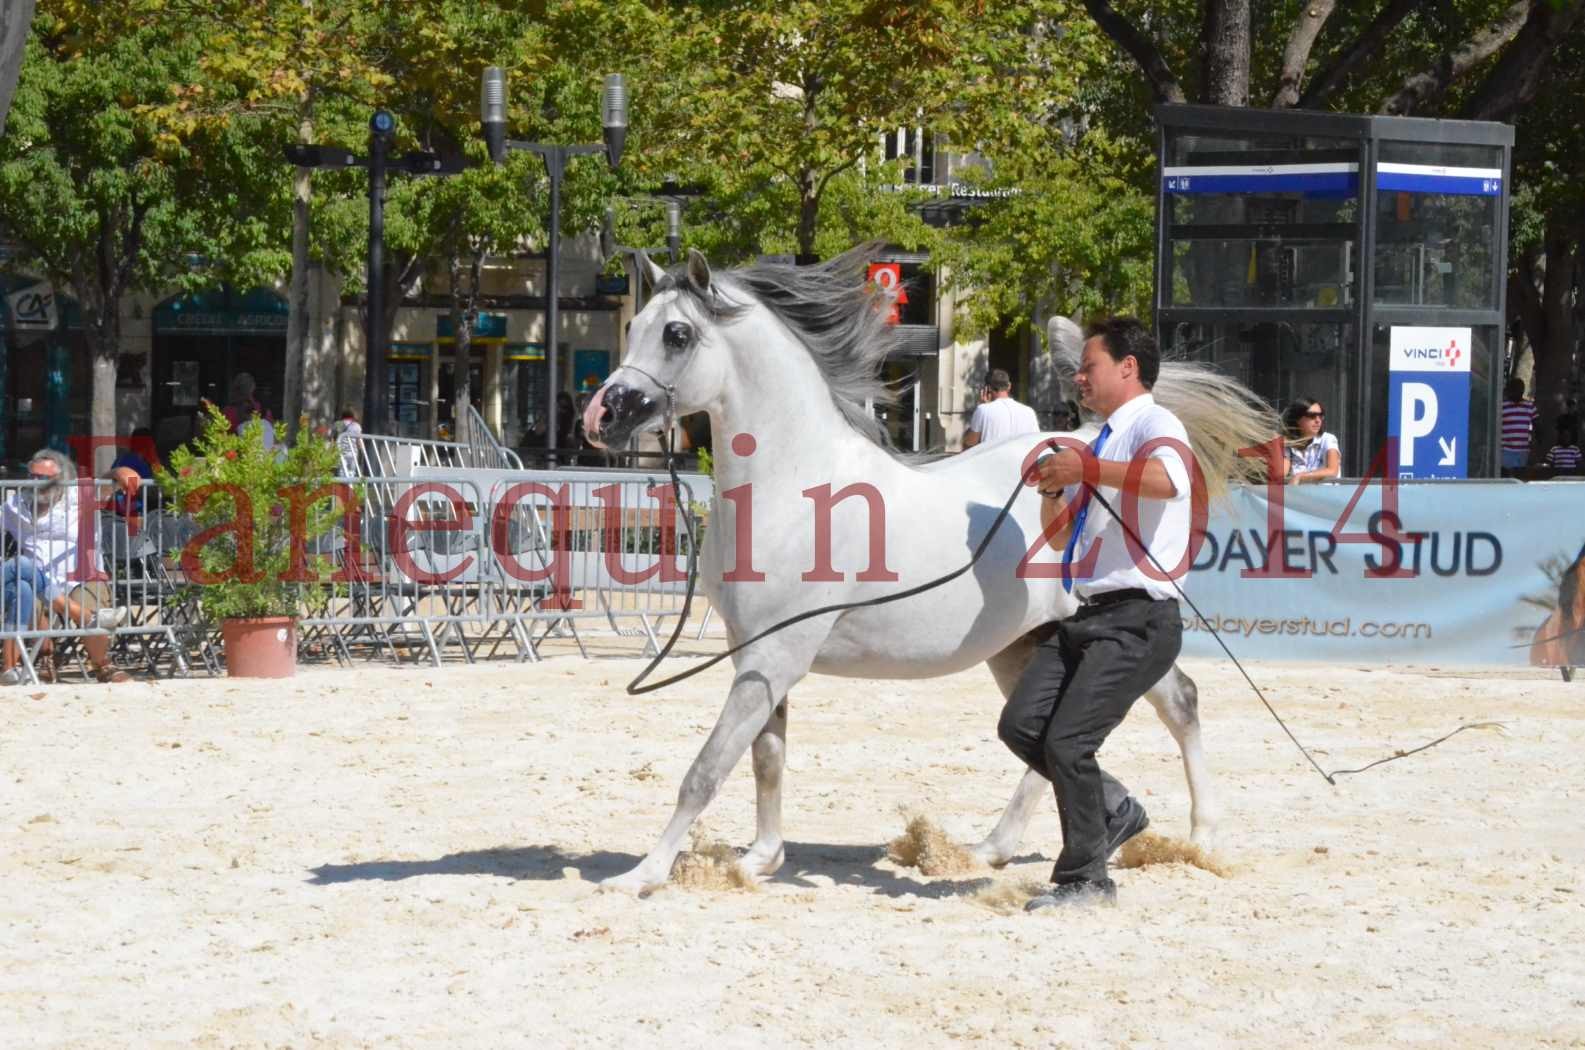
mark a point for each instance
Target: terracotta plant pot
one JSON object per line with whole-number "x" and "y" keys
{"x": 261, "y": 648}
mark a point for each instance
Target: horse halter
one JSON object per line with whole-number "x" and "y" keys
{"x": 668, "y": 388}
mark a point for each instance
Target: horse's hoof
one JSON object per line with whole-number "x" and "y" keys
{"x": 760, "y": 863}
{"x": 634, "y": 883}
{"x": 990, "y": 854}
{"x": 1205, "y": 838}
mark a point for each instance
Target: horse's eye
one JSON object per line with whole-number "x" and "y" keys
{"x": 676, "y": 336}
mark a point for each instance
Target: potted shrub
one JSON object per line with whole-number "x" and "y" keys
{"x": 251, "y": 574}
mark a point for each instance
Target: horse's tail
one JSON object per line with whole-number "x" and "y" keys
{"x": 1221, "y": 414}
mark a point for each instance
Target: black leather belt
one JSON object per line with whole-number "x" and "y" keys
{"x": 1127, "y": 594}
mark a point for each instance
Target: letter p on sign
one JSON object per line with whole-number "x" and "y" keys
{"x": 1418, "y": 412}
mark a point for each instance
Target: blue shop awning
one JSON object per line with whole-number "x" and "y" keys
{"x": 1434, "y": 178}
{"x": 1326, "y": 178}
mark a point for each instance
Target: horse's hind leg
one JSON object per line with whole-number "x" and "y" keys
{"x": 770, "y": 758}
{"x": 1002, "y": 843}
{"x": 748, "y": 708}
{"x": 1177, "y": 702}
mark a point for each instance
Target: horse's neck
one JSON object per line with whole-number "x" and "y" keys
{"x": 778, "y": 397}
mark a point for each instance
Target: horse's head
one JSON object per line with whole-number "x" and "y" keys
{"x": 668, "y": 367}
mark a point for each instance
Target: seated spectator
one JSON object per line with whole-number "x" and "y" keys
{"x": 1565, "y": 455}
{"x": 1313, "y": 454}
{"x": 44, "y": 524}
{"x": 129, "y": 471}
{"x": 1518, "y": 421}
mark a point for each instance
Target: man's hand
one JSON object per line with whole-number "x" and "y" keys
{"x": 1058, "y": 471}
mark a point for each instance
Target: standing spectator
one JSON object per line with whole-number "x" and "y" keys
{"x": 349, "y": 437}
{"x": 1565, "y": 455}
{"x": 1518, "y": 422}
{"x": 44, "y": 524}
{"x": 1313, "y": 454}
{"x": 999, "y": 415}
{"x": 243, "y": 406}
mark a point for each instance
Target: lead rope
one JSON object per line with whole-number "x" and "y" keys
{"x": 635, "y": 688}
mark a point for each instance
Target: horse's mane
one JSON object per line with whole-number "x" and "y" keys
{"x": 1220, "y": 414}
{"x": 832, "y": 309}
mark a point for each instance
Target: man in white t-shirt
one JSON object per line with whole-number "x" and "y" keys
{"x": 999, "y": 416}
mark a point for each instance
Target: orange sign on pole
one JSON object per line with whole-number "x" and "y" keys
{"x": 888, "y": 277}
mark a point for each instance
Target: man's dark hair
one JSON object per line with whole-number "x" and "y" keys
{"x": 1128, "y": 337}
{"x": 1514, "y": 390}
{"x": 999, "y": 380}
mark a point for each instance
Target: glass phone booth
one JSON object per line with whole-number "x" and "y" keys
{"x": 1357, "y": 261}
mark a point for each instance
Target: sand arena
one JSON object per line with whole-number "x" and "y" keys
{"x": 406, "y": 857}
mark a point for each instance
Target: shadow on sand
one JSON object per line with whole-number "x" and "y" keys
{"x": 840, "y": 864}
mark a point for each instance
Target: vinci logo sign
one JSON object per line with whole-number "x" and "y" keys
{"x": 1428, "y": 401}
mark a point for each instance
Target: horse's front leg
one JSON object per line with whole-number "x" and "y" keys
{"x": 1002, "y": 843}
{"x": 748, "y": 708}
{"x": 768, "y": 852}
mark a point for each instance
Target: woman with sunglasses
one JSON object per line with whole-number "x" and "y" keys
{"x": 1313, "y": 454}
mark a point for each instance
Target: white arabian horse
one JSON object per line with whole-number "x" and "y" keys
{"x": 784, "y": 359}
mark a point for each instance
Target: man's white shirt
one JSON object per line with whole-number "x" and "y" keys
{"x": 1003, "y": 418}
{"x": 1163, "y": 525}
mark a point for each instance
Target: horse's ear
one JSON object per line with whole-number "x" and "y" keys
{"x": 698, "y": 272}
{"x": 651, "y": 271}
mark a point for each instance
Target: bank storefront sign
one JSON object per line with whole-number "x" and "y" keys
{"x": 1450, "y": 573}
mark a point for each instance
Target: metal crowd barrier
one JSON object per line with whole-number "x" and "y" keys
{"x": 439, "y": 561}
{"x": 381, "y": 455}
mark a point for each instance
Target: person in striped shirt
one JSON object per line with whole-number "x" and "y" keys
{"x": 1565, "y": 455}
{"x": 1518, "y": 420}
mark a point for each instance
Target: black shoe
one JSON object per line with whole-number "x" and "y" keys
{"x": 1084, "y": 893}
{"x": 1129, "y": 821}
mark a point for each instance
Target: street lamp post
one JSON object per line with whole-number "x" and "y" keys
{"x": 492, "y": 115}
{"x": 382, "y": 127}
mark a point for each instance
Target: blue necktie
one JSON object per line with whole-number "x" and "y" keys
{"x": 1084, "y": 512}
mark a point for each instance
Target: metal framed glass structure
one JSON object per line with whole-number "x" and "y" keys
{"x": 1292, "y": 245}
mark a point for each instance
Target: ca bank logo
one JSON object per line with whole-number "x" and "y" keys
{"x": 33, "y": 307}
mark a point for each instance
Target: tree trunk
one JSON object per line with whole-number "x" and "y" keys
{"x": 15, "y": 18}
{"x": 808, "y": 215}
{"x": 297, "y": 308}
{"x": 104, "y": 339}
{"x": 1554, "y": 352}
{"x": 1225, "y": 40}
{"x": 1312, "y": 17}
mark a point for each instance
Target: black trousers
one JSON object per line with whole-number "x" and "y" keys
{"x": 1084, "y": 677}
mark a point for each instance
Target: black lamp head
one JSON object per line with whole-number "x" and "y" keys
{"x": 613, "y": 116}
{"x": 492, "y": 111}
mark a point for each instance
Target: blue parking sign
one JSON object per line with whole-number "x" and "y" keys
{"x": 1428, "y": 401}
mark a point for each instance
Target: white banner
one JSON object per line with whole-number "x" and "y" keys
{"x": 1485, "y": 573}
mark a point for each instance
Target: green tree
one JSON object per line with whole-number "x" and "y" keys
{"x": 102, "y": 198}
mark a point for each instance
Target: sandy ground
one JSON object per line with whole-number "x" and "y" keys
{"x": 392, "y": 857}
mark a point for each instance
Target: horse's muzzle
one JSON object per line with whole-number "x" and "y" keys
{"x": 616, "y": 412}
